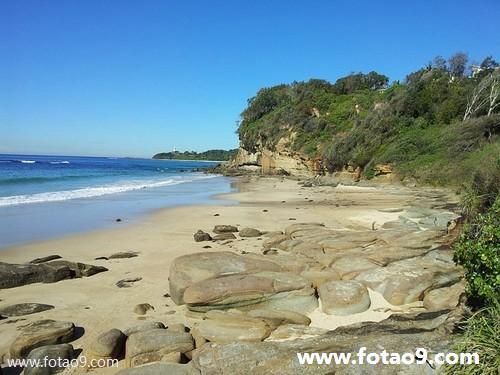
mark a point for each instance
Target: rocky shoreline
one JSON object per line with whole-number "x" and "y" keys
{"x": 244, "y": 299}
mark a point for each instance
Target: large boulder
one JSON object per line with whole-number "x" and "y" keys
{"x": 224, "y": 229}
{"x": 190, "y": 269}
{"x": 156, "y": 345}
{"x": 41, "y": 333}
{"x": 161, "y": 368}
{"x": 108, "y": 345}
{"x": 242, "y": 290}
{"x": 344, "y": 297}
{"x": 14, "y": 275}
{"x": 48, "y": 355}
{"x": 22, "y": 309}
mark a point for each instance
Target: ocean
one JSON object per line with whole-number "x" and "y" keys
{"x": 47, "y": 196}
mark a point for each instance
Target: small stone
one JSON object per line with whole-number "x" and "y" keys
{"x": 118, "y": 220}
{"x": 45, "y": 259}
{"x": 108, "y": 345}
{"x": 143, "y": 308}
{"x": 200, "y": 236}
{"x": 53, "y": 353}
{"x": 124, "y": 255}
{"x": 224, "y": 236}
{"x": 127, "y": 283}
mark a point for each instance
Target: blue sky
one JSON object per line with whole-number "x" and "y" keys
{"x": 132, "y": 78}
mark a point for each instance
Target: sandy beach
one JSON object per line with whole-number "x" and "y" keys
{"x": 96, "y": 304}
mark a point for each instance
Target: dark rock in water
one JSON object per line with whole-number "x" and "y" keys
{"x": 224, "y": 229}
{"x": 124, "y": 255}
{"x": 41, "y": 333}
{"x": 45, "y": 259}
{"x": 14, "y": 275}
{"x": 127, "y": 283}
{"x": 53, "y": 353}
{"x": 21, "y": 309}
{"x": 143, "y": 308}
{"x": 207, "y": 247}
{"x": 118, "y": 220}
{"x": 224, "y": 236}
{"x": 200, "y": 236}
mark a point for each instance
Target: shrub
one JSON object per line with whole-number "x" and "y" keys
{"x": 481, "y": 336}
{"x": 478, "y": 251}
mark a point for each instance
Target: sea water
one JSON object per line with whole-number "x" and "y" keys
{"x": 48, "y": 196}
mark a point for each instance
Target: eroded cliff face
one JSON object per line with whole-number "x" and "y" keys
{"x": 281, "y": 160}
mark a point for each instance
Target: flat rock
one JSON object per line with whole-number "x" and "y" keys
{"x": 288, "y": 332}
{"x": 41, "y": 333}
{"x": 444, "y": 298}
{"x": 108, "y": 345}
{"x": 224, "y": 229}
{"x": 250, "y": 232}
{"x": 276, "y": 318}
{"x": 124, "y": 255}
{"x": 344, "y": 297}
{"x": 161, "y": 368}
{"x": 22, "y": 309}
{"x": 222, "y": 327}
{"x": 200, "y": 236}
{"x": 49, "y": 352}
{"x": 153, "y": 345}
{"x": 14, "y": 275}
{"x": 317, "y": 278}
{"x": 190, "y": 269}
{"x": 146, "y": 326}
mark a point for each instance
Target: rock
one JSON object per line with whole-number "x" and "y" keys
{"x": 274, "y": 241}
{"x": 295, "y": 331}
{"x": 14, "y": 275}
{"x": 250, "y": 232}
{"x": 397, "y": 334}
{"x": 53, "y": 353}
{"x": 407, "y": 280}
{"x": 127, "y": 283}
{"x": 242, "y": 290}
{"x": 224, "y": 236}
{"x": 143, "y": 308}
{"x": 124, "y": 255}
{"x": 200, "y": 236}
{"x": 348, "y": 268}
{"x": 190, "y": 269}
{"x": 161, "y": 368}
{"x": 45, "y": 259}
{"x": 444, "y": 298}
{"x": 22, "y": 309}
{"x": 153, "y": 345}
{"x": 343, "y": 297}
{"x": 177, "y": 327}
{"x": 146, "y": 326}
{"x": 276, "y": 318}
{"x": 108, "y": 345}
{"x": 219, "y": 229}
{"x": 41, "y": 333}
{"x": 223, "y": 327}
{"x": 320, "y": 277}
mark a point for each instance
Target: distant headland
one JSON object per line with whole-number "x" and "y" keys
{"x": 215, "y": 155}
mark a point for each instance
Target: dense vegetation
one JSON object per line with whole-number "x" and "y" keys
{"x": 216, "y": 155}
{"x": 440, "y": 126}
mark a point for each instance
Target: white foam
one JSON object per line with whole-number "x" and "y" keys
{"x": 58, "y": 196}
{"x": 59, "y": 162}
{"x": 27, "y": 161}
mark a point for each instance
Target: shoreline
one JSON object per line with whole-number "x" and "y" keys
{"x": 267, "y": 203}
